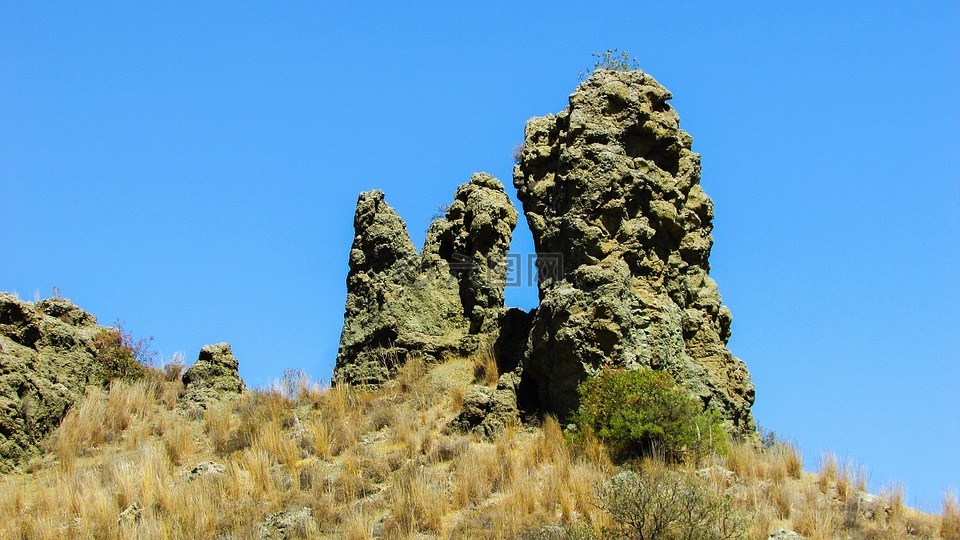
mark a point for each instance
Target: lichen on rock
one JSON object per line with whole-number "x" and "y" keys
{"x": 611, "y": 191}
{"x": 487, "y": 411}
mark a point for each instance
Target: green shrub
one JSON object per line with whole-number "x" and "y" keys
{"x": 641, "y": 412}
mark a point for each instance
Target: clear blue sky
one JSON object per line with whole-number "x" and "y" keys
{"x": 193, "y": 170}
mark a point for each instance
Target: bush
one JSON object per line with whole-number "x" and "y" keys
{"x": 640, "y": 412}
{"x": 120, "y": 356}
{"x": 612, "y": 60}
{"x": 658, "y": 503}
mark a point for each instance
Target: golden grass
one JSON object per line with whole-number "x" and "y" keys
{"x": 950, "y": 524}
{"x": 476, "y": 474}
{"x": 485, "y": 370}
{"x": 417, "y": 502}
{"x": 380, "y": 463}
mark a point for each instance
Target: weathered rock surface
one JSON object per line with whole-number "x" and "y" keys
{"x": 611, "y": 190}
{"x": 786, "y": 534}
{"x": 870, "y": 507}
{"x": 47, "y": 359}
{"x": 131, "y": 514}
{"x": 473, "y": 240}
{"x": 611, "y": 186}
{"x": 214, "y": 375}
{"x": 205, "y": 468}
{"x": 487, "y": 411}
{"x": 292, "y": 523}
{"x": 433, "y": 304}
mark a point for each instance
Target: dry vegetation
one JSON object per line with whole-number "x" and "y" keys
{"x": 301, "y": 461}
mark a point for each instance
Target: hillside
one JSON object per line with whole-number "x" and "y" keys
{"x": 304, "y": 461}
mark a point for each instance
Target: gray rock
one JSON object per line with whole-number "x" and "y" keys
{"x": 49, "y": 352}
{"x": 434, "y": 304}
{"x": 215, "y": 375}
{"x": 487, "y": 411}
{"x": 716, "y": 472}
{"x": 610, "y": 188}
{"x": 205, "y": 468}
{"x": 293, "y": 523}
{"x": 547, "y": 532}
{"x": 786, "y": 534}
{"x": 473, "y": 239}
{"x": 131, "y": 514}
{"x": 869, "y": 506}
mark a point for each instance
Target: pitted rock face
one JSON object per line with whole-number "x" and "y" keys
{"x": 435, "y": 304}
{"x": 611, "y": 186}
{"x": 214, "y": 376}
{"x": 216, "y": 368}
{"x": 473, "y": 241}
{"x": 47, "y": 358}
{"x": 382, "y": 240}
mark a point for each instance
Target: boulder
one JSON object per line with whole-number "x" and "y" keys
{"x": 622, "y": 228}
{"x": 205, "y": 469}
{"x": 215, "y": 375}
{"x": 786, "y": 534}
{"x": 870, "y": 507}
{"x": 487, "y": 411}
{"x": 292, "y": 523}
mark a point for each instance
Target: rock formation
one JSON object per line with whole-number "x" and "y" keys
{"x": 50, "y": 351}
{"x": 431, "y": 304}
{"x": 215, "y": 374}
{"x": 610, "y": 186}
{"x": 48, "y": 356}
{"x": 487, "y": 411}
{"x": 473, "y": 241}
{"x": 611, "y": 190}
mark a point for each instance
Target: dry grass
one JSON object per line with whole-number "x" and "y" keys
{"x": 371, "y": 464}
{"x": 485, "y": 370}
{"x": 950, "y": 525}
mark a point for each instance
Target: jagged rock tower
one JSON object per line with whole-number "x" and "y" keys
{"x": 611, "y": 191}
{"x": 434, "y": 304}
{"x": 611, "y": 186}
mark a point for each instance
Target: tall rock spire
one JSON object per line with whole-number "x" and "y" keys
{"x": 433, "y": 304}
{"x": 611, "y": 188}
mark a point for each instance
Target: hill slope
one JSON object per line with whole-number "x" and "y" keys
{"x": 301, "y": 461}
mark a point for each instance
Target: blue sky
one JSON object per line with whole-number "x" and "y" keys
{"x": 193, "y": 170}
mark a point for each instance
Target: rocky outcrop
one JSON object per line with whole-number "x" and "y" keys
{"x": 433, "y": 304}
{"x": 611, "y": 190}
{"x": 214, "y": 376}
{"x": 205, "y": 469}
{"x": 48, "y": 356}
{"x": 487, "y": 411}
{"x": 785, "y": 534}
{"x": 473, "y": 240}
